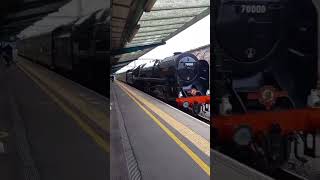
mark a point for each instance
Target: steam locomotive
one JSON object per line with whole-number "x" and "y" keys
{"x": 180, "y": 79}
{"x": 77, "y": 51}
{"x": 266, "y": 90}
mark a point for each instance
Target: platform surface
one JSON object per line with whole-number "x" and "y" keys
{"x": 166, "y": 143}
{"x": 224, "y": 167}
{"x": 54, "y": 136}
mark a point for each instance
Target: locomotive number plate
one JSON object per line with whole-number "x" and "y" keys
{"x": 253, "y": 9}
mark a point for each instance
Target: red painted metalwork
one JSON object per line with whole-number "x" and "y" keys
{"x": 267, "y": 96}
{"x": 193, "y": 100}
{"x": 307, "y": 120}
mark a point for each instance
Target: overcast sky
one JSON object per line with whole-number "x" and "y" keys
{"x": 195, "y": 36}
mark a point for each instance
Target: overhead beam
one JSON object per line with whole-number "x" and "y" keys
{"x": 136, "y": 48}
{"x": 43, "y": 8}
{"x": 165, "y": 18}
{"x": 33, "y": 13}
{"x": 175, "y": 8}
{"x": 156, "y": 25}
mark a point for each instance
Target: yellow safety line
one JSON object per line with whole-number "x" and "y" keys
{"x": 193, "y": 155}
{"x": 200, "y": 142}
{"x": 99, "y": 117}
{"x": 100, "y": 141}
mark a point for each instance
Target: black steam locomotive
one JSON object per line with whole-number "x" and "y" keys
{"x": 77, "y": 51}
{"x": 181, "y": 78}
{"x": 265, "y": 80}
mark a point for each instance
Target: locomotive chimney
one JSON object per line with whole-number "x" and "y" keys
{"x": 176, "y": 53}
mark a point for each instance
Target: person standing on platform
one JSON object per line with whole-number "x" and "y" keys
{"x": 1, "y": 52}
{"x": 7, "y": 54}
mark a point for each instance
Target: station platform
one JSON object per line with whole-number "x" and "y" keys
{"x": 224, "y": 167}
{"x": 55, "y": 128}
{"x": 152, "y": 140}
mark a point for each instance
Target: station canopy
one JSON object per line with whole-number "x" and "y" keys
{"x": 166, "y": 19}
{"x": 76, "y": 11}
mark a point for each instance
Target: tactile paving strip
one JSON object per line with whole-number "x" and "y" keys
{"x": 132, "y": 164}
{"x": 30, "y": 172}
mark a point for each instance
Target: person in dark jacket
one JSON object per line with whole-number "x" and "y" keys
{"x": 7, "y": 54}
